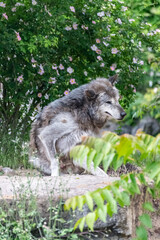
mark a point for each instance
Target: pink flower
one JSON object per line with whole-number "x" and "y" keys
{"x": 113, "y": 67}
{"x": 141, "y": 62}
{"x": 68, "y": 28}
{"x": 72, "y": 9}
{"x": 131, "y": 20}
{"x": 99, "y": 58}
{"x": 106, "y": 44}
{"x": 52, "y": 80}
{"x": 94, "y": 47}
{"x": 14, "y": 9}
{"x": 41, "y": 70}
{"x": 39, "y": 95}
{"x": 98, "y": 51}
{"x": 5, "y": 16}
{"x": 66, "y": 92}
{"x": 54, "y": 66}
{"x": 34, "y": 2}
{"x": 75, "y": 25}
{"x": 124, "y": 8}
{"x": 70, "y": 59}
{"x": 98, "y": 40}
{"x": 93, "y": 22}
{"x": 20, "y": 79}
{"x": 18, "y": 36}
{"x": 84, "y": 27}
{"x": 100, "y": 14}
{"x": 114, "y": 50}
{"x": 33, "y": 60}
{"x": 2, "y": 4}
{"x": 118, "y": 20}
{"x": 102, "y": 65}
{"x": 61, "y": 67}
{"x": 72, "y": 81}
{"x": 135, "y": 60}
{"x": 70, "y": 70}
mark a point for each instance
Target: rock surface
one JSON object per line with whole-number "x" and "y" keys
{"x": 49, "y": 190}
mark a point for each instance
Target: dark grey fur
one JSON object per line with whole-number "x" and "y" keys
{"x": 63, "y": 122}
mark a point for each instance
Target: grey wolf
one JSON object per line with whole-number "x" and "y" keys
{"x": 61, "y": 125}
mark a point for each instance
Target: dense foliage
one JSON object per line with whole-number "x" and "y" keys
{"x": 48, "y": 48}
{"x": 112, "y": 150}
{"x": 145, "y": 104}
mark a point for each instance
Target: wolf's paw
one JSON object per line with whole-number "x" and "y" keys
{"x": 54, "y": 172}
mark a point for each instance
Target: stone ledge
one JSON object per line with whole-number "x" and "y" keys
{"x": 49, "y": 190}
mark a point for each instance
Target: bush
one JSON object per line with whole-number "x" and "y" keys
{"x": 50, "y": 48}
{"x": 145, "y": 104}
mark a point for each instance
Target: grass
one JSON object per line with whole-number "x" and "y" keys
{"x": 20, "y": 219}
{"x": 13, "y": 153}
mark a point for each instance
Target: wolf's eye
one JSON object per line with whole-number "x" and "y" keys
{"x": 109, "y": 102}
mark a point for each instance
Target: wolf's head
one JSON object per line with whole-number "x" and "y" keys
{"x": 103, "y": 101}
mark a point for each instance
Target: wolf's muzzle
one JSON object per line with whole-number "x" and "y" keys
{"x": 123, "y": 114}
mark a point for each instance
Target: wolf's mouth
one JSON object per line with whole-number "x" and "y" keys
{"x": 109, "y": 114}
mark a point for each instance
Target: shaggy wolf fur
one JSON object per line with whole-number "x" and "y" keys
{"x": 63, "y": 122}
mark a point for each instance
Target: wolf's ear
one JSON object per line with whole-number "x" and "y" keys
{"x": 90, "y": 94}
{"x": 113, "y": 79}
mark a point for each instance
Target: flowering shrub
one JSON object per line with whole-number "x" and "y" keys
{"x": 48, "y": 49}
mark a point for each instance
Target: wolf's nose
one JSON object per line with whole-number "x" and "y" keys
{"x": 123, "y": 114}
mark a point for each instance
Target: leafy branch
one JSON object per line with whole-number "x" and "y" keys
{"x": 112, "y": 151}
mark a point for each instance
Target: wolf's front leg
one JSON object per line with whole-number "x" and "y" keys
{"x": 50, "y": 152}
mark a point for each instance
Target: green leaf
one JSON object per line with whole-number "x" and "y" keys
{"x": 67, "y": 204}
{"x": 102, "y": 213}
{"x": 107, "y": 160}
{"x": 97, "y": 160}
{"x": 90, "y": 219}
{"x": 80, "y": 202}
{"x": 106, "y": 148}
{"x": 98, "y": 199}
{"x": 99, "y": 144}
{"x": 141, "y": 233}
{"x": 74, "y": 203}
{"x": 142, "y": 178}
{"x": 133, "y": 186}
{"x": 117, "y": 162}
{"x": 89, "y": 201}
{"x": 126, "y": 198}
{"x": 125, "y": 146}
{"x": 112, "y": 205}
{"x": 77, "y": 223}
{"x": 81, "y": 224}
{"x": 148, "y": 206}
{"x": 146, "y": 220}
{"x": 90, "y": 157}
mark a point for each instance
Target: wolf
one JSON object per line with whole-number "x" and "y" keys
{"x": 62, "y": 124}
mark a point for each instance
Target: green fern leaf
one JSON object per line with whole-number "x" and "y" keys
{"x": 90, "y": 157}
{"x": 90, "y": 220}
{"x": 97, "y": 160}
{"x": 81, "y": 223}
{"x": 98, "y": 199}
{"x": 102, "y": 213}
{"x": 80, "y": 202}
{"x": 89, "y": 201}
{"x": 148, "y": 206}
{"x": 107, "y": 160}
{"x": 146, "y": 220}
{"x": 141, "y": 233}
